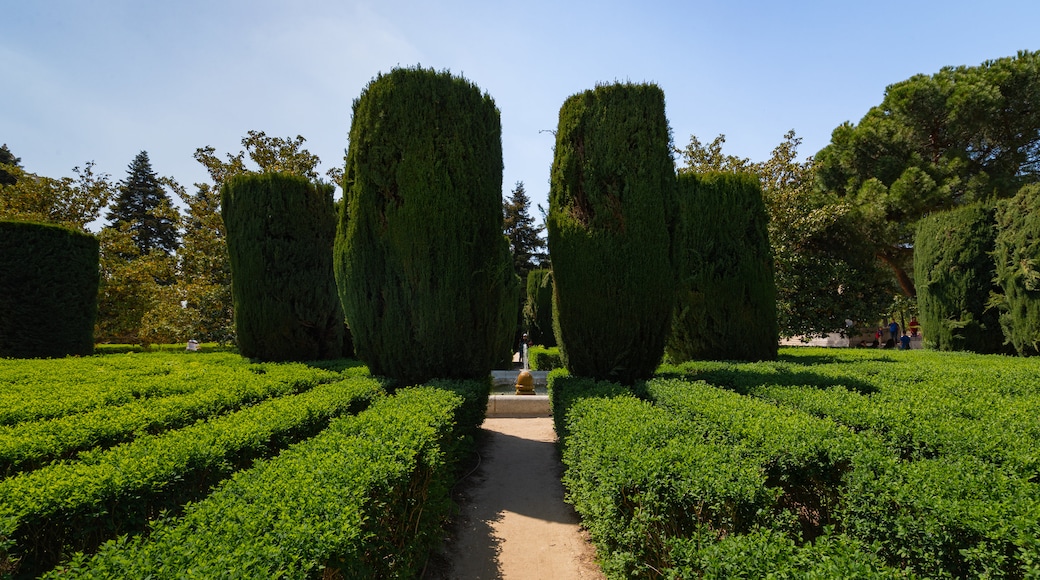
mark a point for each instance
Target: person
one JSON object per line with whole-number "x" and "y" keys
{"x": 193, "y": 345}
{"x": 904, "y": 342}
{"x": 893, "y": 329}
{"x": 914, "y": 326}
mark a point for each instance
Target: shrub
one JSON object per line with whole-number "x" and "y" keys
{"x": 538, "y": 308}
{"x": 611, "y": 189}
{"x": 1017, "y": 262}
{"x": 726, "y": 296}
{"x": 954, "y": 275}
{"x": 49, "y": 280}
{"x": 280, "y": 231}
{"x": 419, "y": 265}
{"x": 545, "y": 358}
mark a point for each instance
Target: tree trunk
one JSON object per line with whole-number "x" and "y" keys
{"x": 905, "y": 283}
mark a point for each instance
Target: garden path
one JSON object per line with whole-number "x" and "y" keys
{"x": 514, "y": 524}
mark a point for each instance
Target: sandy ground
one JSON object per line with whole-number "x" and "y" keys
{"x": 514, "y": 524}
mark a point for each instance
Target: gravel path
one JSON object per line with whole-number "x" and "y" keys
{"x": 514, "y": 523}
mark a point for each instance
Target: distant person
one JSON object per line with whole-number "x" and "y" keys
{"x": 904, "y": 342}
{"x": 893, "y": 329}
{"x": 193, "y": 345}
{"x": 914, "y": 326}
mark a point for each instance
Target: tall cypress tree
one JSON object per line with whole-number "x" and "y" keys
{"x": 421, "y": 262}
{"x": 954, "y": 272}
{"x": 1017, "y": 262}
{"x": 726, "y": 296}
{"x": 611, "y": 192}
{"x": 142, "y": 205}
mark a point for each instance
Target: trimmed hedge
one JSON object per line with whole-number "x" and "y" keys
{"x": 726, "y": 296}
{"x": 545, "y": 358}
{"x": 1017, "y": 261}
{"x": 954, "y": 274}
{"x": 49, "y": 278}
{"x": 538, "y": 308}
{"x": 419, "y": 261}
{"x": 280, "y": 232}
{"x": 364, "y": 499}
{"x": 611, "y": 194}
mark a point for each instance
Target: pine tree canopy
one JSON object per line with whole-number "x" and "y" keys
{"x": 525, "y": 241}
{"x": 144, "y": 207}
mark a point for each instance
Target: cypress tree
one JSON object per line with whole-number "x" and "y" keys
{"x": 954, "y": 274}
{"x": 612, "y": 186}
{"x": 280, "y": 232}
{"x": 726, "y": 296}
{"x": 419, "y": 248}
{"x": 139, "y": 204}
{"x": 48, "y": 290}
{"x": 1017, "y": 263}
{"x": 538, "y": 307}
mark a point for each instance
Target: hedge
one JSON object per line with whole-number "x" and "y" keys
{"x": 1017, "y": 261}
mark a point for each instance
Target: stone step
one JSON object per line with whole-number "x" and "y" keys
{"x": 509, "y": 405}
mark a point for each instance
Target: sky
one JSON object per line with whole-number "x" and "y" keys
{"x": 103, "y": 80}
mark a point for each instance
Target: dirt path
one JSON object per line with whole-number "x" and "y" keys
{"x": 514, "y": 524}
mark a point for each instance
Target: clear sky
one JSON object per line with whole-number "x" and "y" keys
{"x": 105, "y": 79}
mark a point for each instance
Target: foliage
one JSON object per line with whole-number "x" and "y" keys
{"x": 71, "y": 202}
{"x": 8, "y": 158}
{"x": 48, "y": 290}
{"x": 62, "y": 506}
{"x": 538, "y": 308}
{"x": 825, "y": 270}
{"x": 1017, "y": 261}
{"x": 935, "y": 142}
{"x": 365, "y": 499}
{"x": 144, "y": 209}
{"x": 280, "y": 232}
{"x": 420, "y": 258}
{"x": 611, "y": 195}
{"x": 955, "y": 277}
{"x": 525, "y": 241}
{"x": 726, "y": 296}
{"x": 545, "y": 358}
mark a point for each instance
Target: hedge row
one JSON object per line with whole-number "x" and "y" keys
{"x": 80, "y": 504}
{"x": 545, "y": 358}
{"x": 365, "y": 499}
{"x": 29, "y": 445}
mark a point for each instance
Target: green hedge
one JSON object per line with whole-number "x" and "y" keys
{"x": 77, "y": 505}
{"x": 419, "y": 261}
{"x": 1017, "y": 261}
{"x": 726, "y": 296}
{"x": 545, "y": 358}
{"x": 49, "y": 278}
{"x": 954, "y": 274}
{"x": 612, "y": 192}
{"x": 538, "y": 308}
{"x": 365, "y": 499}
{"x": 566, "y": 390}
{"x": 280, "y": 232}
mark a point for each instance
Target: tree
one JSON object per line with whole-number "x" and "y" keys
{"x": 955, "y": 275}
{"x": 824, "y": 267}
{"x": 8, "y": 158}
{"x": 962, "y": 135}
{"x": 71, "y": 202}
{"x": 1017, "y": 262}
{"x": 421, "y": 262}
{"x": 145, "y": 209}
{"x": 612, "y": 193}
{"x": 281, "y": 228}
{"x": 726, "y": 295}
{"x": 525, "y": 240}
{"x": 205, "y": 271}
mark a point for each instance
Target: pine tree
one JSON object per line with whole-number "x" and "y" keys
{"x": 144, "y": 206}
{"x": 525, "y": 241}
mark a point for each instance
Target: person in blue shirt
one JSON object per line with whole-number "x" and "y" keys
{"x": 904, "y": 341}
{"x": 893, "y": 328}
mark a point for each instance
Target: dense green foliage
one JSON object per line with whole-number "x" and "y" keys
{"x": 545, "y": 358}
{"x": 538, "y": 308}
{"x": 612, "y": 191}
{"x": 955, "y": 276}
{"x": 963, "y": 134}
{"x": 725, "y": 295}
{"x": 419, "y": 261}
{"x": 280, "y": 232}
{"x": 48, "y": 290}
{"x": 8, "y": 158}
{"x": 365, "y": 499}
{"x": 825, "y": 464}
{"x": 1017, "y": 261}
{"x": 525, "y": 240}
{"x": 142, "y": 207}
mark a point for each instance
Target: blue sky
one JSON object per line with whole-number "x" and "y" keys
{"x": 103, "y": 80}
